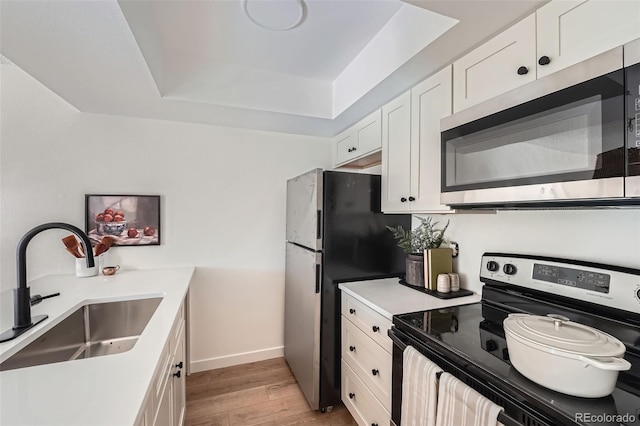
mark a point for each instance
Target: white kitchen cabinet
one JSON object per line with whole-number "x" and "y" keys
{"x": 503, "y": 63}
{"x": 559, "y": 34}
{"x": 166, "y": 401}
{"x": 359, "y": 142}
{"x": 571, "y": 31}
{"x": 366, "y": 362}
{"x": 411, "y": 147}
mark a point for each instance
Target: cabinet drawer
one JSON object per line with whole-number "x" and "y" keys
{"x": 363, "y": 406}
{"x": 369, "y": 321}
{"x": 369, "y": 361}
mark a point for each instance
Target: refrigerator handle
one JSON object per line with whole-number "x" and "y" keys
{"x": 318, "y": 277}
{"x": 319, "y": 225}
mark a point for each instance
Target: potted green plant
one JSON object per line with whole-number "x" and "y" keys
{"x": 414, "y": 242}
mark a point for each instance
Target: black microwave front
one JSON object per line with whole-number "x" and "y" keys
{"x": 568, "y": 139}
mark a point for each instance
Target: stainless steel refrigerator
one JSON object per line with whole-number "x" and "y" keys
{"x": 335, "y": 233}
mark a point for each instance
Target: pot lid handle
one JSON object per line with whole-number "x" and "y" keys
{"x": 558, "y": 320}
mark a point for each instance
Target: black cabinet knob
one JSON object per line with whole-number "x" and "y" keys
{"x": 375, "y": 328}
{"x": 352, "y": 348}
{"x": 412, "y": 199}
{"x": 354, "y": 148}
{"x": 350, "y": 149}
{"x": 544, "y": 60}
{"x": 374, "y": 424}
{"x": 523, "y": 70}
{"x": 177, "y": 374}
{"x": 375, "y": 372}
{"x": 352, "y": 311}
{"x": 179, "y": 365}
{"x": 403, "y": 200}
{"x": 352, "y": 395}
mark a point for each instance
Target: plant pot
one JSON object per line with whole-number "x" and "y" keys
{"x": 415, "y": 270}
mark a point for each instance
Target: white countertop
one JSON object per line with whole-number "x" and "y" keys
{"x": 106, "y": 390}
{"x": 390, "y": 298}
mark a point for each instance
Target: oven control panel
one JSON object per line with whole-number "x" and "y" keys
{"x": 579, "y": 278}
{"x": 613, "y": 286}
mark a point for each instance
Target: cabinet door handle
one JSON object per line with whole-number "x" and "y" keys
{"x": 412, "y": 199}
{"x": 352, "y": 395}
{"x": 354, "y": 148}
{"x": 375, "y": 372}
{"x": 374, "y": 424}
{"x": 352, "y": 348}
{"x": 177, "y": 374}
{"x": 403, "y": 200}
{"x": 375, "y": 328}
{"x": 349, "y": 150}
{"x": 179, "y": 365}
{"x": 352, "y": 311}
{"x": 523, "y": 70}
{"x": 544, "y": 60}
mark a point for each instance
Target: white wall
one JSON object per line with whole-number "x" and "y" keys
{"x": 605, "y": 236}
{"x": 223, "y": 206}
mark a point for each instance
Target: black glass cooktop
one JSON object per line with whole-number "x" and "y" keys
{"x": 472, "y": 336}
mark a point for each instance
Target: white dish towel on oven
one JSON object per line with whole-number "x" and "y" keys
{"x": 460, "y": 405}
{"x": 419, "y": 389}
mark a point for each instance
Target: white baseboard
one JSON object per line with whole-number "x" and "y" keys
{"x": 235, "y": 359}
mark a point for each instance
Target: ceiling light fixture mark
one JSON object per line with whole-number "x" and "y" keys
{"x": 287, "y": 15}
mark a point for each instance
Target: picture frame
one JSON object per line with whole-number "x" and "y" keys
{"x": 130, "y": 220}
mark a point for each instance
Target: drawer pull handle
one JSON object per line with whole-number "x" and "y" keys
{"x": 523, "y": 70}
{"x": 375, "y": 372}
{"x": 352, "y": 395}
{"x": 177, "y": 374}
{"x": 374, "y": 424}
{"x": 179, "y": 365}
{"x": 412, "y": 198}
{"x": 375, "y": 328}
{"x": 352, "y": 348}
{"x": 352, "y": 311}
{"x": 544, "y": 60}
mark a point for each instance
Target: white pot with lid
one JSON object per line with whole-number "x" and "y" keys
{"x": 565, "y": 356}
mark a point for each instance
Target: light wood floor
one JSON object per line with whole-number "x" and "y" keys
{"x": 259, "y": 393}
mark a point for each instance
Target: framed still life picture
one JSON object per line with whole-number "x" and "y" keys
{"x": 130, "y": 220}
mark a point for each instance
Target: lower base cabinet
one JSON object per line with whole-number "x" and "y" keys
{"x": 366, "y": 363}
{"x": 166, "y": 402}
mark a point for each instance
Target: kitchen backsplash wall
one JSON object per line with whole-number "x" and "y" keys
{"x": 223, "y": 206}
{"x": 605, "y": 236}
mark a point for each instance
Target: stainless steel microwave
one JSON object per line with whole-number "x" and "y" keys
{"x": 571, "y": 138}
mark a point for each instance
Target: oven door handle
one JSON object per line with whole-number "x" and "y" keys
{"x": 396, "y": 340}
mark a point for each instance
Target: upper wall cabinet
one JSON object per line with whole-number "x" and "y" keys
{"x": 571, "y": 31}
{"x": 357, "y": 144}
{"x": 411, "y": 147}
{"x": 501, "y": 64}
{"x": 560, "y": 34}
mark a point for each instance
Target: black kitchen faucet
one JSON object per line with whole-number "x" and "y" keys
{"x": 22, "y": 294}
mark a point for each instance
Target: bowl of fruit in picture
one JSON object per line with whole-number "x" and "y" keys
{"x": 110, "y": 222}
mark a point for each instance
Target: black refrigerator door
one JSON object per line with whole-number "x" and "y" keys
{"x": 357, "y": 246}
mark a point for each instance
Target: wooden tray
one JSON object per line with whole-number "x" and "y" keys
{"x": 451, "y": 295}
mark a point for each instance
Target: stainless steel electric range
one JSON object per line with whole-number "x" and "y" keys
{"x": 469, "y": 341}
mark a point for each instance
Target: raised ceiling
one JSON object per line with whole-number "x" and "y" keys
{"x": 320, "y": 66}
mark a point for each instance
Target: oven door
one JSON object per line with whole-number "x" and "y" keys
{"x": 514, "y": 414}
{"x": 558, "y": 138}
